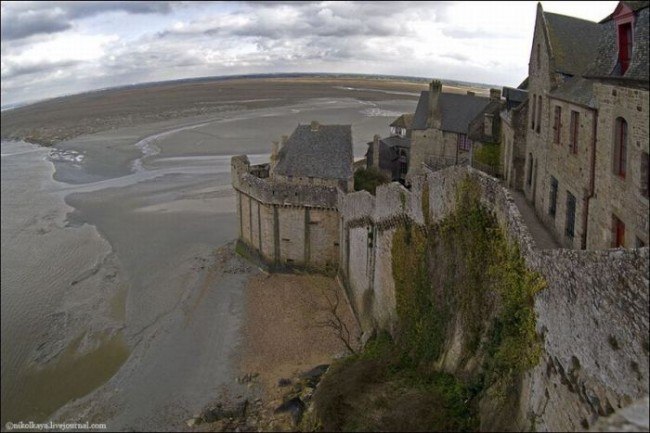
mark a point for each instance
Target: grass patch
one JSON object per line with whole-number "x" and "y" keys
{"x": 378, "y": 391}
{"x": 488, "y": 154}
{"x": 369, "y": 179}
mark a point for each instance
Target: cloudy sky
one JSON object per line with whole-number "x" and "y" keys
{"x": 55, "y": 48}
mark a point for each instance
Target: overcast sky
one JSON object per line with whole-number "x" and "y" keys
{"x": 55, "y": 48}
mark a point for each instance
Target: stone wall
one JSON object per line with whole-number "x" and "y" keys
{"x": 433, "y": 143}
{"x": 286, "y": 224}
{"x": 572, "y": 170}
{"x": 513, "y": 129}
{"x": 592, "y": 317}
{"x": 618, "y": 196}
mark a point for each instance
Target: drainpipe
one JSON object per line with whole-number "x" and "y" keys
{"x": 592, "y": 182}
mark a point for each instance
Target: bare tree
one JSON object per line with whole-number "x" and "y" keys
{"x": 333, "y": 320}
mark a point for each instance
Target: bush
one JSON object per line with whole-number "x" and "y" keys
{"x": 369, "y": 179}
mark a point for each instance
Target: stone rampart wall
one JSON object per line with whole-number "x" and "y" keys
{"x": 592, "y": 316}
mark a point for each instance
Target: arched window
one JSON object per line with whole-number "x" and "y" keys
{"x": 539, "y": 63}
{"x": 620, "y": 147}
{"x": 530, "y": 169}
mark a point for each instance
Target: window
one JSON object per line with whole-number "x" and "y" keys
{"x": 464, "y": 143}
{"x": 618, "y": 229}
{"x": 539, "y": 63}
{"x": 552, "y": 208}
{"x": 624, "y": 46}
{"x": 570, "y": 214}
{"x": 530, "y": 169}
{"x": 620, "y": 147}
{"x": 557, "y": 124}
{"x": 539, "y": 112}
{"x": 575, "y": 124}
{"x": 645, "y": 174}
{"x": 534, "y": 113}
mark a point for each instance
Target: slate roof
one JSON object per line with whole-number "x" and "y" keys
{"x": 396, "y": 141}
{"x": 421, "y": 111}
{"x": 325, "y": 153}
{"x": 514, "y": 97}
{"x": 523, "y": 85}
{"x": 577, "y": 90}
{"x": 605, "y": 64}
{"x": 574, "y": 42}
{"x": 456, "y": 111}
{"x": 403, "y": 121}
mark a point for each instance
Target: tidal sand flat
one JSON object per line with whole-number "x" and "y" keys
{"x": 116, "y": 255}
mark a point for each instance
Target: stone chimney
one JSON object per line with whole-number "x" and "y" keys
{"x": 314, "y": 126}
{"x": 275, "y": 149}
{"x": 375, "y": 151}
{"x": 495, "y": 94}
{"x": 435, "y": 89}
{"x": 470, "y": 93}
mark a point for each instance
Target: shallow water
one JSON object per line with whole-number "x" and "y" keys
{"x": 99, "y": 265}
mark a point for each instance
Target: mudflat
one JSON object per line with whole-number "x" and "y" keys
{"x": 59, "y": 119}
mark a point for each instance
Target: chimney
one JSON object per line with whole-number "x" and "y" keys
{"x": 375, "y": 151}
{"x": 314, "y": 126}
{"x": 470, "y": 93}
{"x": 275, "y": 148}
{"x": 435, "y": 89}
{"x": 495, "y": 94}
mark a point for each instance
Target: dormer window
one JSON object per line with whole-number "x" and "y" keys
{"x": 624, "y": 46}
{"x": 624, "y": 18}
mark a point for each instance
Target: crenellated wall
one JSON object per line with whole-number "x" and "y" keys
{"x": 592, "y": 317}
{"x": 286, "y": 224}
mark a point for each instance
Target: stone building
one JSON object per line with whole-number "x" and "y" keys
{"x": 586, "y": 140}
{"x": 390, "y": 155}
{"x": 441, "y": 127}
{"x": 513, "y": 136}
{"x": 287, "y": 210}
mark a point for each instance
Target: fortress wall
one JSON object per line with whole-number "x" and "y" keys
{"x": 291, "y": 221}
{"x": 267, "y": 232}
{"x": 286, "y": 225}
{"x": 592, "y": 317}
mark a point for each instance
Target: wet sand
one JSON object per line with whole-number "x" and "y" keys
{"x": 284, "y": 337}
{"x": 50, "y": 122}
{"x": 157, "y": 200}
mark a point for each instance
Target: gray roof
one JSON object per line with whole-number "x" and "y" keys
{"x": 523, "y": 85}
{"x": 605, "y": 64}
{"x": 514, "y": 97}
{"x": 574, "y": 42}
{"x": 456, "y": 111}
{"x": 422, "y": 111}
{"x": 403, "y": 121}
{"x": 396, "y": 141}
{"x": 577, "y": 90}
{"x": 325, "y": 153}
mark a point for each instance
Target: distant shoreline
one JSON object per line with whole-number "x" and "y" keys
{"x": 55, "y": 120}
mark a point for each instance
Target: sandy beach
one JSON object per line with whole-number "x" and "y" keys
{"x": 118, "y": 266}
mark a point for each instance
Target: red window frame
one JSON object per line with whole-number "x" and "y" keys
{"x": 624, "y": 45}
{"x": 464, "y": 143}
{"x": 618, "y": 228}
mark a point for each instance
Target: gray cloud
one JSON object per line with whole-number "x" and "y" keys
{"x": 24, "y": 19}
{"x": 15, "y": 70}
